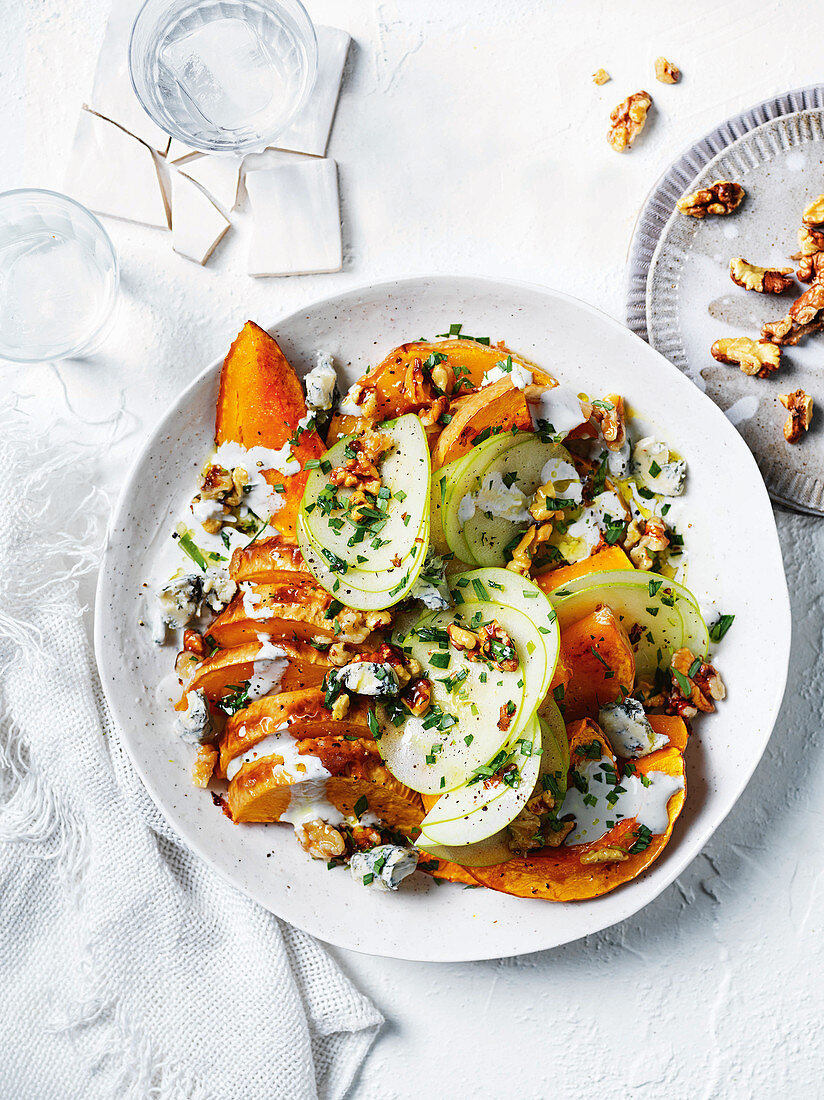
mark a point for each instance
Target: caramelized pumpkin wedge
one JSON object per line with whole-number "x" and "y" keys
{"x": 300, "y": 713}
{"x": 268, "y": 561}
{"x": 611, "y": 557}
{"x": 499, "y": 405}
{"x": 265, "y": 789}
{"x": 229, "y": 668}
{"x": 287, "y": 609}
{"x": 581, "y": 871}
{"x": 598, "y": 653}
{"x": 260, "y": 404}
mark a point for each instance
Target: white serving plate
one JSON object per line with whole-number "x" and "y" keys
{"x": 735, "y": 558}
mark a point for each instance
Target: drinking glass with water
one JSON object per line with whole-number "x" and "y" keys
{"x": 223, "y": 75}
{"x": 58, "y": 277}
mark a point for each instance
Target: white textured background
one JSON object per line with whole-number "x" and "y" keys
{"x": 470, "y": 138}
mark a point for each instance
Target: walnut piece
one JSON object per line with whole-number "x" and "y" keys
{"x": 628, "y": 120}
{"x": 813, "y": 216}
{"x": 807, "y": 309}
{"x": 527, "y": 548}
{"x": 786, "y": 332}
{"x": 320, "y": 840}
{"x": 754, "y": 357}
{"x": 666, "y": 72}
{"x": 610, "y": 854}
{"x": 361, "y": 472}
{"x": 557, "y": 833}
{"x": 763, "y": 280}
{"x": 721, "y": 197}
{"x": 706, "y": 686}
{"x": 806, "y": 316}
{"x": 810, "y": 241}
{"x": 800, "y": 407}
{"x": 204, "y": 765}
{"x": 810, "y": 268}
{"x": 601, "y": 76}
{"x": 609, "y": 413}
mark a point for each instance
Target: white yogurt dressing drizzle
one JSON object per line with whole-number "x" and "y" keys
{"x": 559, "y": 407}
{"x": 268, "y": 669}
{"x": 612, "y": 804}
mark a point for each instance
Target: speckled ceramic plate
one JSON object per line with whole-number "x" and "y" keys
{"x": 689, "y": 300}
{"x": 423, "y": 920}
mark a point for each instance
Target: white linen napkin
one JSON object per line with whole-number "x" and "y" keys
{"x": 127, "y": 967}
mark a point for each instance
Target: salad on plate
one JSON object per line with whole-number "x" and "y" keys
{"x": 439, "y": 622}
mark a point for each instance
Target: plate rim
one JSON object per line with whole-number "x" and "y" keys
{"x": 688, "y": 849}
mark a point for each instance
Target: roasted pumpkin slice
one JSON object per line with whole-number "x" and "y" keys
{"x": 229, "y": 669}
{"x": 300, "y": 713}
{"x": 261, "y": 404}
{"x": 401, "y": 383}
{"x": 574, "y": 872}
{"x": 606, "y": 560}
{"x": 598, "y": 653}
{"x": 286, "y": 609}
{"x": 338, "y": 772}
{"x": 499, "y": 405}
{"x": 268, "y": 561}
{"x": 448, "y": 872}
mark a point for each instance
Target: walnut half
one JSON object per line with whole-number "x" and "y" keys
{"x": 666, "y": 72}
{"x": 754, "y": 357}
{"x": 628, "y": 120}
{"x": 763, "y": 280}
{"x": 810, "y": 268}
{"x": 721, "y": 197}
{"x": 813, "y": 216}
{"x": 800, "y": 407}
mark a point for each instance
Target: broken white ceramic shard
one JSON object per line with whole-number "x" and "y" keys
{"x": 218, "y": 176}
{"x": 112, "y": 94}
{"x": 296, "y": 218}
{"x": 113, "y": 173}
{"x": 197, "y": 224}
{"x": 179, "y": 151}
{"x": 309, "y": 132}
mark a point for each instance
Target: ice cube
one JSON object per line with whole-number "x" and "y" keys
{"x": 226, "y": 71}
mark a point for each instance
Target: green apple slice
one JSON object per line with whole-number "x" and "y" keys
{"x": 366, "y": 591}
{"x": 666, "y": 612}
{"x": 487, "y": 535}
{"x": 401, "y": 506}
{"x": 521, "y": 594}
{"x": 439, "y": 750}
{"x": 463, "y": 481}
{"x": 554, "y": 764}
{"x": 494, "y": 795}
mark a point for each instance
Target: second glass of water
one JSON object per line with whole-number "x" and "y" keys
{"x": 223, "y": 75}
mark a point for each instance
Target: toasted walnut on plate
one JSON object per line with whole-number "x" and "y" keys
{"x": 601, "y": 76}
{"x": 721, "y": 197}
{"x": 813, "y": 216}
{"x": 764, "y": 280}
{"x": 800, "y": 407}
{"x": 805, "y": 317}
{"x": 628, "y": 120}
{"x": 754, "y": 357}
{"x": 666, "y": 72}
{"x": 786, "y": 332}
{"x": 810, "y": 241}
{"x": 810, "y": 268}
